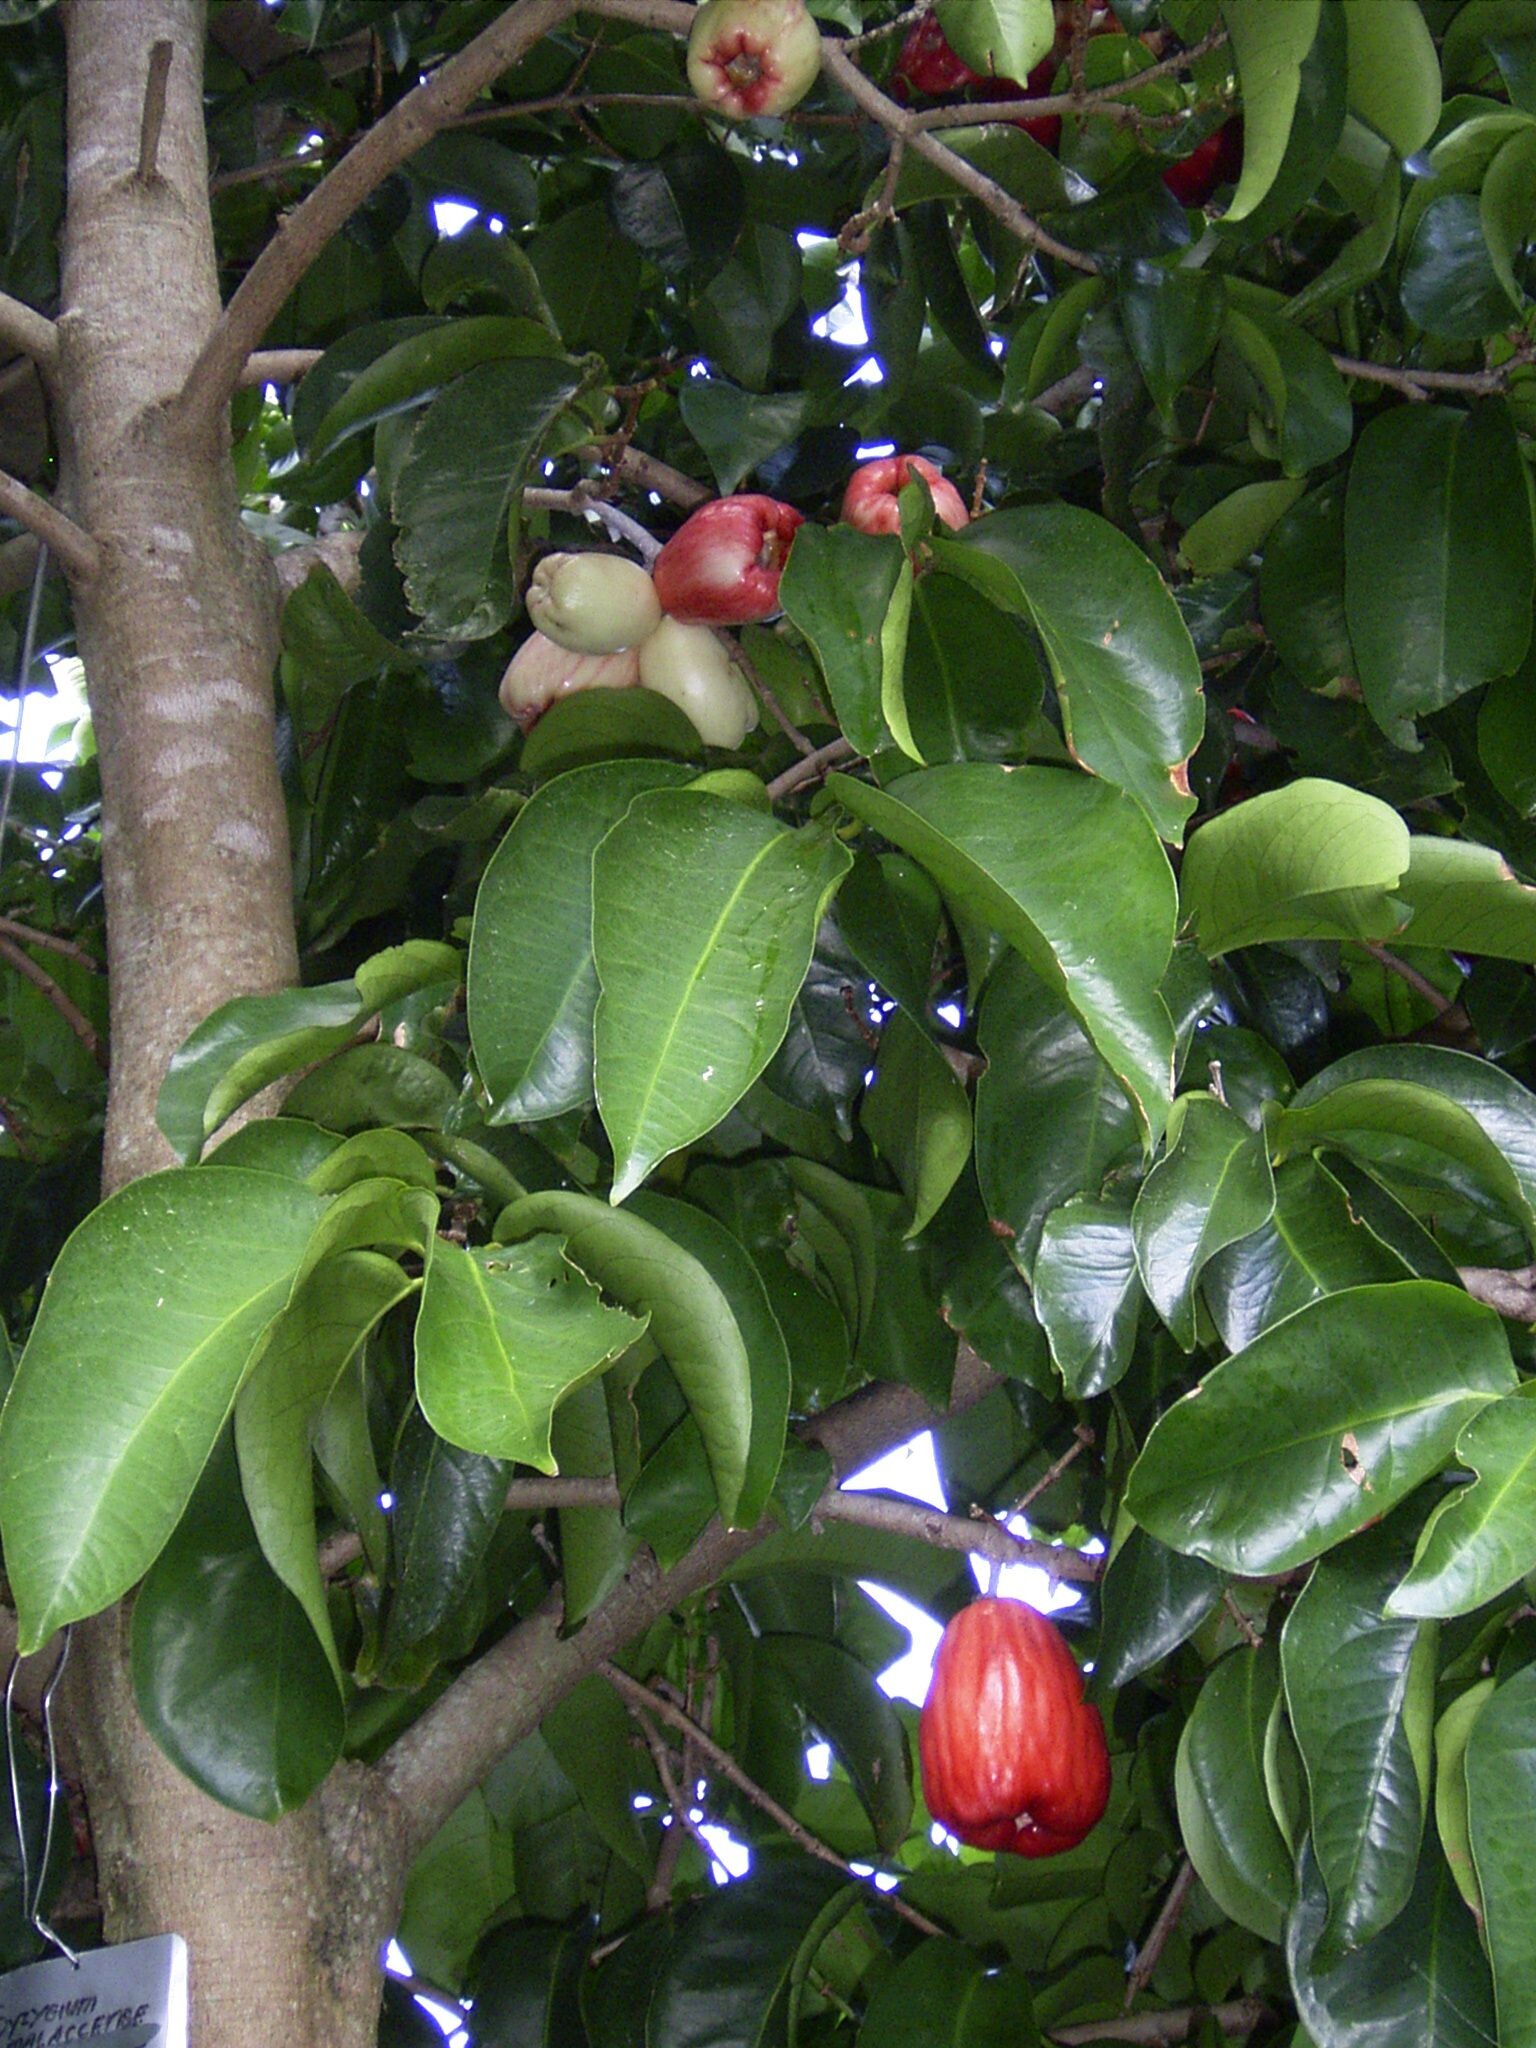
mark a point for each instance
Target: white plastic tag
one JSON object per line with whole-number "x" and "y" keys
{"x": 134, "y": 1996}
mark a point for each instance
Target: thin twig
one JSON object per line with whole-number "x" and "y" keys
{"x": 152, "y": 119}
{"x": 648, "y": 473}
{"x": 30, "y": 332}
{"x": 41, "y": 979}
{"x": 1237, "y": 2017}
{"x": 811, "y": 767}
{"x": 584, "y": 499}
{"x": 1100, "y": 98}
{"x": 853, "y": 236}
{"x": 391, "y": 142}
{"x": 640, "y": 1699}
{"x": 1421, "y": 985}
{"x": 684, "y": 1823}
{"x": 1150, "y": 1953}
{"x": 1513, "y": 1294}
{"x": 70, "y": 544}
{"x": 1240, "y": 1621}
{"x": 51, "y": 942}
{"x": 278, "y": 365}
{"x": 1417, "y": 384}
{"x": 889, "y": 28}
{"x": 975, "y": 1536}
{"x": 1082, "y": 1439}
{"x": 771, "y": 704}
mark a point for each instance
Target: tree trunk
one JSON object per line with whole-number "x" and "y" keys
{"x": 178, "y": 636}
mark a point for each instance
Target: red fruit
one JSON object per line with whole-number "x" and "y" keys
{"x": 869, "y": 503}
{"x": 1013, "y": 1759}
{"x": 1216, "y": 161}
{"x": 722, "y": 566}
{"x": 928, "y": 66}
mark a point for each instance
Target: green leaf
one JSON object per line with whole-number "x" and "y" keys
{"x": 1301, "y": 589}
{"x": 153, "y": 1314}
{"x": 531, "y": 985}
{"x": 842, "y": 1700}
{"x": 1224, "y": 1814}
{"x": 330, "y": 640}
{"x": 1171, "y": 319}
{"x": 739, "y": 429}
{"x": 419, "y": 366}
{"x": 590, "y": 277}
{"x": 589, "y": 1734}
{"x": 1125, "y": 670}
{"x": 850, "y": 594}
{"x": 1314, "y": 1243}
{"x": 375, "y": 1084}
{"x": 1320, "y": 1426}
{"x": 504, "y": 1332}
{"x": 1211, "y": 1187}
{"x": 1423, "y": 1980}
{"x": 250, "y": 1041}
{"x": 1088, "y": 1293}
{"x": 1312, "y": 860}
{"x": 1508, "y": 210}
{"x": 1501, "y": 1808}
{"x": 999, "y": 842}
{"x": 1482, "y": 1537}
{"x": 305, "y": 1355}
{"x": 1237, "y": 525}
{"x": 1270, "y": 45}
{"x": 1394, "y": 71}
{"x": 700, "y": 908}
{"x": 730, "y": 1266}
{"x": 944, "y": 1995}
{"x": 691, "y": 1318}
{"x": 684, "y": 210}
{"x": 1449, "y": 285}
{"x": 525, "y": 1985}
{"x": 918, "y": 1118}
{"x": 227, "y": 1672}
{"x": 1050, "y": 1119}
{"x": 1467, "y": 898}
{"x": 1451, "y": 1733}
{"x": 595, "y": 1546}
{"x": 1360, "y": 1689}
{"x": 466, "y": 463}
{"x": 447, "y": 1505}
{"x": 999, "y": 38}
{"x": 723, "y": 1979}
{"x": 1305, "y": 417}
{"x": 1438, "y": 557}
{"x": 1152, "y": 1599}
{"x": 972, "y": 683}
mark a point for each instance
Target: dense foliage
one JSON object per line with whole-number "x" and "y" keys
{"x": 1134, "y": 982}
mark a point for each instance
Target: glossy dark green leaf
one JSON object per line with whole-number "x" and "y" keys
{"x": 944, "y": 1995}
{"x": 889, "y": 914}
{"x": 683, "y": 211}
{"x": 691, "y": 1319}
{"x": 842, "y": 1700}
{"x": 738, "y": 429}
{"x": 1050, "y": 1119}
{"x": 1482, "y": 1537}
{"x": 1320, "y": 1426}
{"x": 1151, "y": 1600}
{"x": 1088, "y": 1294}
{"x": 375, "y": 1084}
{"x": 447, "y": 1505}
{"x": 1438, "y": 557}
{"x": 1314, "y": 1243}
{"x": 850, "y": 593}
{"x": 227, "y": 1672}
{"x": 153, "y": 1316}
{"x": 1224, "y": 1814}
{"x": 699, "y": 906}
{"x": 595, "y": 1546}
{"x": 1451, "y": 285}
{"x": 588, "y": 1733}
{"x": 532, "y": 987}
{"x": 1171, "y": 320}
{"x": 972, "y": 682}
{"x": 1119, "y": 654}
{"x": 1301, "y": 589}
{"x": 1211, "y": 1187}
{"x": 415, "y": 368}
{"x": 1501, "y": 1801}
{"x": 1304, "y": 413}
{"x": 1423, "y": 1980}
{"x": 525, "y": 1984}
{"x": 721, "y": 1982}
{"x": 918, "y": 1117}
{"x": 589, "y": 275}
{"x": 1360, "y": 1690}
{"x": 452, "y": 512}
{"x": 999, "y": 842}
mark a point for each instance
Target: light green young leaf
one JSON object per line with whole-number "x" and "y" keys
{"x": 1211, "y": 1187}
{"x": 918, "y": 1117}
{"x": 701, "y": 909}
{"x": 999, "y": 38}
{"x": 1482, "y": 1537}
{"x": 850, "y": 593}
{"x": 1501, "y": 1809}
{"x": 1394, "y": 71}
{"x": 1269, "y": 43}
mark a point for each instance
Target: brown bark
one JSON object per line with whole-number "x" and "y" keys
{"x": 177, "y": 629}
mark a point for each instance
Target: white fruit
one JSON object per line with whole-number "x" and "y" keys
{"x": 689, "y": 665}
{"x": 542, "y": 670}
{"x": 593, "y": 604}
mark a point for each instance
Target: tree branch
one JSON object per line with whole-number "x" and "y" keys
{"x": 71, "y": 545}
{"x": 1150, "y": 1953}
{"x": 585, "y": 500}
{"x": 810, "y": 766}
{"x": 641, "y": 1700}
{"x": 1418, "y": 384}
{"x": 40, "y": 978}
{"x": 28, "y": 332}
{"x": 278, "y": 365}
{"x": 1513, "y": 1294}
{"x": 302, "y": 234}
{"x": 649, "y": 473}
{"x": 506, "y": 1693}
{"x": 1166, "y": 2029}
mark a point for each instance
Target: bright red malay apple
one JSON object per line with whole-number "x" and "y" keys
{"x": 928, "y": 68}
{"x": 1013, "y": 1758}
{"x": 722, "y": 566}
{"x": 1216, "y": 161}
{"x": 870, "y": 501}
{"x": 749, "y": 58}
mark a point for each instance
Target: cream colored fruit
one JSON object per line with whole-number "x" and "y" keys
{"x": 753, "y": 58}
{"x": 593, "y": 604}
{"x": 542, "y": 670}
{"x": 689, "y": 665}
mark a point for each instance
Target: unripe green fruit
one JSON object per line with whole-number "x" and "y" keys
{"x": 689, "y": 665}
{"x": 542, "y": 670}
{"x": 748, "y": 58}
{"x": 593, "y": 604}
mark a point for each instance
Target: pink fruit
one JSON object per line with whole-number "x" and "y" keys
{"x": 542, "y": 670}
{"x": 869, "y": 503}
{"x": 722, "y": 566}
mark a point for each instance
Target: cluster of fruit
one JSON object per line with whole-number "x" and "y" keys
{"x": 603, "y": 622}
